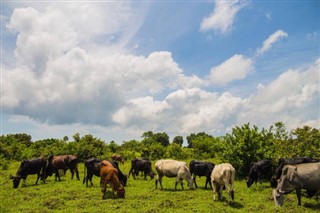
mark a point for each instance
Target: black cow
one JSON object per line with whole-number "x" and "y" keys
{"x": 290, "y": 161}
{"x": 92, "y": 167}
{"x": 201, "y": 168}
{"x": 141, "y": 165}
{"x": 259, "y": 170}
{"x": 28, "y": 167}
{"x": 63, "y": 162}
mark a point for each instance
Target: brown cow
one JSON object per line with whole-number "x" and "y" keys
{"x": 109, "y": 175}
{"x": 63, "y": 162}
{"x": 118, "y": 158}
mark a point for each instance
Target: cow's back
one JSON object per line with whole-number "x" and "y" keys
{"x": 222, "y": 172}
{"x": 169, "y": 168}
{"x": 308, "y": 174}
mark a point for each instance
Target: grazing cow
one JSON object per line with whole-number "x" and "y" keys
{"x": 259, "y": 170}
{"x": 200, "y": 168}
{"x": 141, "y": 165}
{"x": 92, "y": 167}
{"x": 173, "y": 168}
{"x": 29, "y": 167}
{"x": 289, "y": 161}
{"x": 297, "y": 177}
{"x": 109, "y": 175}
{"x": 63, "y": 162}
{"x": 223, "y": 175}
{"x": 118, "y": 158}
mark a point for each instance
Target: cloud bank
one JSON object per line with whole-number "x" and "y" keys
{"x": 65, "y": 75}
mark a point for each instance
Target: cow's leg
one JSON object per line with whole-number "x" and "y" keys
{"x": 220, "y": 187}
{"x": 159, "y": 179}
{"x": 194, "y": 180}
{"x": 298, "y": 192}
{"x": 57, "y": 175}
{"x": 38, "y": 177}
{"x": 145, "y": 175}
{"x": 72, "y": 173}
{"x": 214, "y": 189}
{"x": 77, "y": 173}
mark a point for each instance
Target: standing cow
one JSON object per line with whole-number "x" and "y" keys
{"x": 201, "y": 168}
{"x": 29, "y": 167}
{"x": 109, "y": 176}
{"x": 173, "y": 168}
{"x": 289, "y": 161}
{"x": 259, "y": 170}
{"x": 297, "y": 177}
{"x": 63, "y": 162}
{"x": 92, "y": 167}
{"x": 223, "y": 175}
{"x": 141, "y": 165}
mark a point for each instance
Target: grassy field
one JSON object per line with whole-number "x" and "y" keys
{"x": 141, "y": 196}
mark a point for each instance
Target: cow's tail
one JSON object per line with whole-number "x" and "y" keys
{"x": 84, "y": 173}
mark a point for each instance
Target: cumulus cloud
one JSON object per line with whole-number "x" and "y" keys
{"x": 183, "y": 111}
{"x": 223, "y": 16}
{"x": 267, "y": 44}
{"x": 292, "y": 98}
{"x": 60, "y": 80}
{"x": 235, "y": 68}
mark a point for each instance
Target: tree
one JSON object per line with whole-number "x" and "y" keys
{"x": 150, "y": 138}
{"x": 178, "y": 140}
{"x": 305, "y": 141}
{"x": 192, "y": 136}
{"x": 243, "y": 147}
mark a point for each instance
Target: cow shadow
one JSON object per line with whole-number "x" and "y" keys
{"x": 234, "y": 204}
{"x": 313, "y": 206}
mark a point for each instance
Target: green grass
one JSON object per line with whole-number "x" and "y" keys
{"x": 141, "y": 196}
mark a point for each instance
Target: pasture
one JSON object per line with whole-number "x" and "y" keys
{"x": 141, "y": 196}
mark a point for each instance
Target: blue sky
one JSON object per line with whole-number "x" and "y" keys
{"x": 116, "y": 69}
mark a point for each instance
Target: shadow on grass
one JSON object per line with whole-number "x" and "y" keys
{"x": 313, "y": 206}
{"x": 234, "y": 204}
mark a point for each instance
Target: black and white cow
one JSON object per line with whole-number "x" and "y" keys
{"x": 259, "y": 170}
{"x": 297, "y": 177}
{"x": 201, "y": 168}
{"x": 29, "y": 167}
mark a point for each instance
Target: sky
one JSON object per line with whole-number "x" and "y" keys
{"x": 116, "y": 69}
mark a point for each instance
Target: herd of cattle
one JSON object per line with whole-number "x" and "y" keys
{"x": 291, "y": 174}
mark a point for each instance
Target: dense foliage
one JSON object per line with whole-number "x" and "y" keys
{"x": 244, "y": 145}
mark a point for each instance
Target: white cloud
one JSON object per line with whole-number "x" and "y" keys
{"x": 182, "y": 111}
{"x": 223, "y": 16}
{"x": 235, "y": 68}
{"x": 267, "y": 44}
{"x": 292, "y": 98}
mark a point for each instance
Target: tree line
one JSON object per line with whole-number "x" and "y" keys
{"x": 244, "y": 145}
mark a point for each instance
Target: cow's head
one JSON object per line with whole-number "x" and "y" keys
{"x": 278, "y": 197}
{"x": 15, "y": 180}
{"x": 249, "y": 181}
{"x": 190, "y": 183}
{"x": 151, "y": 175}
{"x": 273, "y": 182}
{"x": 121, "y": 192}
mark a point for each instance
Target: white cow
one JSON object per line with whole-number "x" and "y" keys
{"x": 223, "y": 175}
{"x": 173, "y": 168}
